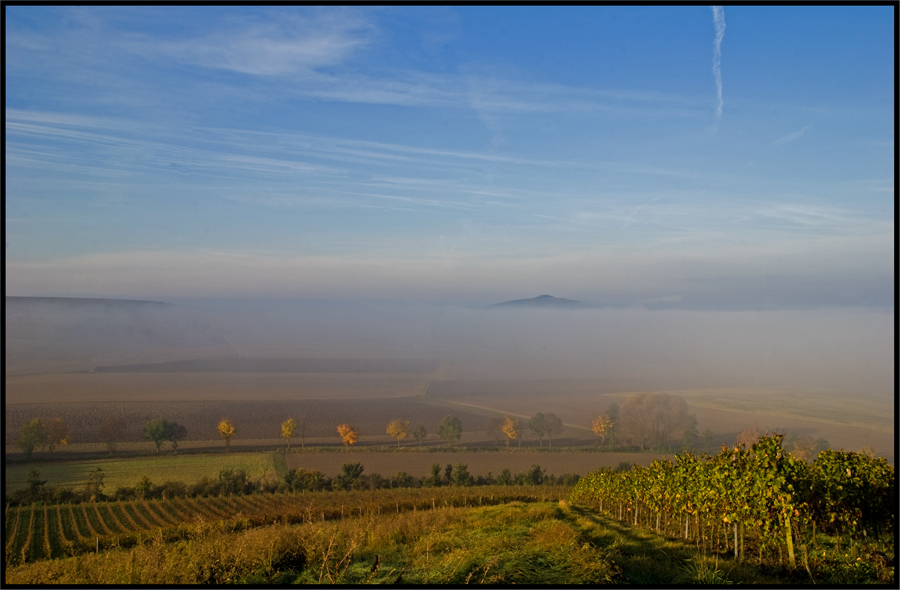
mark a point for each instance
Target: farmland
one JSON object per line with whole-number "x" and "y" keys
{"x": 127, "y": 472}
{"x": 448, "y": 534}
{"x": 370, "y": 401}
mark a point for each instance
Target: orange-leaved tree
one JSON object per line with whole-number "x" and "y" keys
{"x": 348, "y": 433}
{"x": 227, "y": 430}
{"x": 601, "y": 426}
{"x": 510, "y": 428}
{"x": 398, "y": 429}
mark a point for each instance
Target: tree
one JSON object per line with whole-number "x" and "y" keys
{"x": 433, "y": 480}
{"x": 552, "y": 425}
{"x": 492, "y": 428}
{"x": 538, "y": 426}
{"x": 806, "y": 448}
{"x": 32, "y": 435}
{"x": 652, "y": 418}
{"x": 420, "y": 433}
{"x": 175, "y": 432}
{"x": 111, "y": 431}
{"x": 691, "y": 434}
{"x": 707, "y": 440}
{"x": 398, "y": 429}
{"x": 348, "y": 434}
{"x": 94, "y": 485}
{"x": 868, "y": 451}
{"x": 613, "y": 412}
{"x": 350, "y": 477}
{"x": 450, "y": 429}
{"x": 602, "y": 426}
{"x": 301, "y": 430}
{"x": 227, "y": 430}
{"x": 748, "y": 437}
{"x": 35, "y": 483}
{"x": 288, "y": 428}
{"x": 157, "y": 431}
{"x": 57, "y": 433}
{"x": 510, "y": 428}
{"x": 460, "y": 476}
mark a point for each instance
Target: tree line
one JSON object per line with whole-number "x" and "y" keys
{"x": 645, "y": 421}
{"x": 239, "y": 482}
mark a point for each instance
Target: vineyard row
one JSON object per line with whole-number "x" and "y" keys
{"x": 51, "y": 531}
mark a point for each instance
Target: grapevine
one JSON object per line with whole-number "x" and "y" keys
{"x": 763, "y": 489}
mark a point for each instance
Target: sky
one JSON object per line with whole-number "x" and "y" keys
{"x": 679, "y": 156}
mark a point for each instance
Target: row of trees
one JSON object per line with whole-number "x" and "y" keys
{"x": 648, "y": 420}
{"x": 658, "y": 421}
{"x": 50, "y": 435}
{"x": 239, "y": 482}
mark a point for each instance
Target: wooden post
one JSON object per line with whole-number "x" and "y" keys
{"x": 788, "y": 535}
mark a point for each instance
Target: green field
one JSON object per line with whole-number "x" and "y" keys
{"x": 127, "y": 472}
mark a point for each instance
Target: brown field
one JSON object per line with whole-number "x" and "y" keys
{"x": 259, "y": 402}
{"x": 848, "y": 421}
{"x": 478, "y": 463}
{"x": 166, "y": 387}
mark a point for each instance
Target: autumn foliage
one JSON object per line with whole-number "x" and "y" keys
{"x": 349, "y": 435}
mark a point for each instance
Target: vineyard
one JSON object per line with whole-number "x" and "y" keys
{"x": 759, "y": 501}
{"x": 45, "y": 531}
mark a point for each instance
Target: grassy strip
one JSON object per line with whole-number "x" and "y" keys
{"x": 133, "y": 508}
{"x": 80, "y": 528}
{"x": 114, "y": 518}
{"x": 104, "y": 526}
{"x": 12, "y": 536}
{"x": 48, "y": 550}
{"x": 93, "y": 528}
{"x": 66, "y": 536}
{"x": 153, "y": 515}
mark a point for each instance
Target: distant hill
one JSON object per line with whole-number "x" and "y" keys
{"x": 542, "y": 301}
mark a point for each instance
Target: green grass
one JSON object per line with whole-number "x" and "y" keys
{"x": 128, "y": 471}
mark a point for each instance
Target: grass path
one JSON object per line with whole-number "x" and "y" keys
{"x": 646, "y": 558}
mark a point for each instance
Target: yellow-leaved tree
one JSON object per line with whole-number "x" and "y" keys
{"x": 288, "y": 427}
{"x": 510, "y": 428}
{"x": 349, "y": 435}
{"x": 398, "y": 429}
{"x": 601, "y": 426}
{"x": 227, "y": 430}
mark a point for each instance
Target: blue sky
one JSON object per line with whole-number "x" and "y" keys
{"x": 453, "y": 155}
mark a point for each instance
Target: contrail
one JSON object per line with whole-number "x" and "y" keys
{"x": 719, "y": 22}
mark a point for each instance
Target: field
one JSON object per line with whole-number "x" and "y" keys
{"x": 127, "y": 472}
{"x": 205, "y": 386}
{"x": 39, "y": 532}
{"x": 189, "y": 468}
{"x": 259, "y": 402}
{"x": 493, "y": 535}
{"x": 846, "y": 420}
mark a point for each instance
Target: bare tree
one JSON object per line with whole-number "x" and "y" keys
{"x": 58, "y": 433}
{"x": 111, "y": 432}
{"x": 653, "y": 418}
{"x": 553, "y": 424}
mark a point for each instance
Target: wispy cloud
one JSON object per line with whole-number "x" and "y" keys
{"x": 792, "y": 136}
{"x": 286, "y": 46}
{"x": 719, "y": 23}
